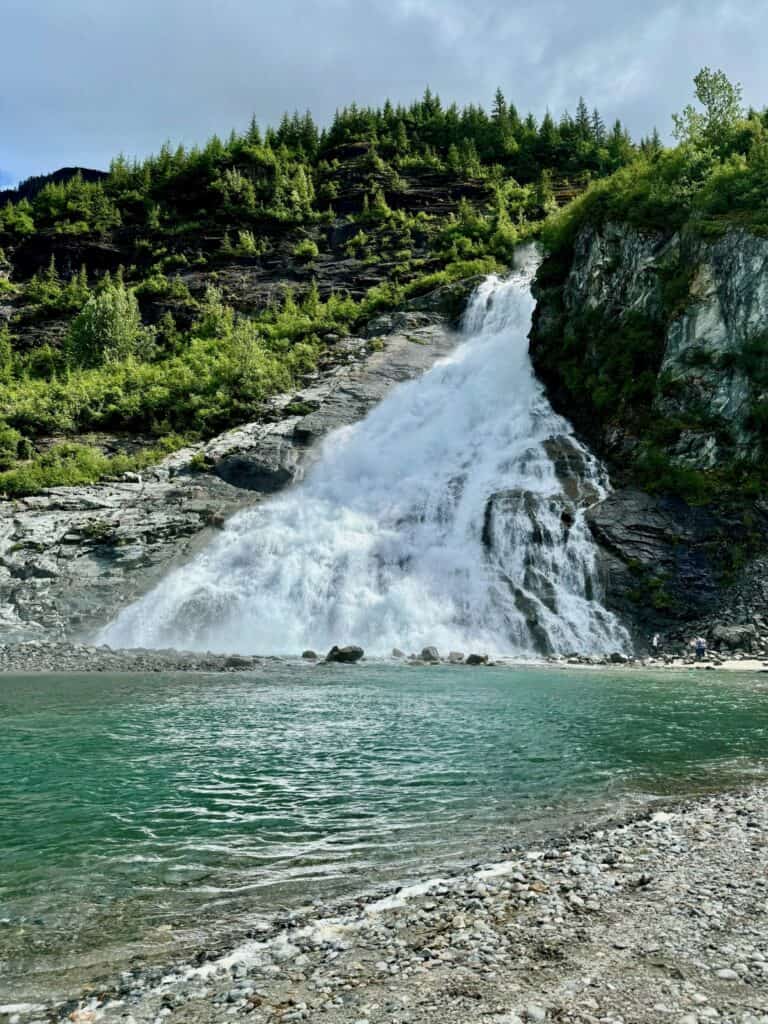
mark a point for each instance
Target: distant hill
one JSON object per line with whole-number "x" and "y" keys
{"x": 29, "y": 188}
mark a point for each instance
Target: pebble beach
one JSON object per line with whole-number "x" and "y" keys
{"x": 659, "y": 918}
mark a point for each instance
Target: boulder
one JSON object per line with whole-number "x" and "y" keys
{"x": 735, "y": 638}
{"x": 456, "y": 657}
{"x": 309, "y": 655}
{"x": 477, "y": 659}
{"x": 430, "y": 654}
{"x": 397, "y": 653}
{"x": 345, "y": 655}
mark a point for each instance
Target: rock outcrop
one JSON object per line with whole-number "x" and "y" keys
{"x": 655, "y": 346}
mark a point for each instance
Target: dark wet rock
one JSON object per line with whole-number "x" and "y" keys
{"x": 345, "y": 655}
{"x": 237, "y": 661}
{"x": 430, "y": 655}
{"x": 265, "y": 468}
{"x": 309, "y": 655}
{"x": 477, "y": 659}
{"x": 661, "y": 558}
{"x": 572, "y": 470}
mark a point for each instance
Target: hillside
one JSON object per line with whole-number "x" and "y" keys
{"x": 168, "y": 301}
{"x": 651, "y": 336}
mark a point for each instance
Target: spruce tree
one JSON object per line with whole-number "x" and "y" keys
{"x": 582, "y": 120}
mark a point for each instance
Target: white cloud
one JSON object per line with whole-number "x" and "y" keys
{"x": 84, "y": 79}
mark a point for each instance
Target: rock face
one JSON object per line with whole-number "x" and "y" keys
{"x": 71, "y": 557}
{"x": 662, "y": 558}
{"x": 704, "y": 302}
{"x": 677, "y": 324}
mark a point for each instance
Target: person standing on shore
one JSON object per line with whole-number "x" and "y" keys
{"x": 701, "y": 647}
{"x": 655, "y": 643}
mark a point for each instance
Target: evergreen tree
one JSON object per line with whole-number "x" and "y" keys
{"x": 253, "y": 135}
{"x": 583, "y": 121}
{"x": 500, "y": 111}
{"x": 597, "y": 128}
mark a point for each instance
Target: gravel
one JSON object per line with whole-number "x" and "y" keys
{"x": 663, "y": 918}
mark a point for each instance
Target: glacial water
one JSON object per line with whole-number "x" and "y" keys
{"x": 144, "y": 818}
{"x": 439, "y": 519}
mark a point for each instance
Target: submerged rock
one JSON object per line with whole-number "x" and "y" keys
{"x": 309, "y": 655}
{"x": 345, "y": 655}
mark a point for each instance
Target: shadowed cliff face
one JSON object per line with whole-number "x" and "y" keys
{"x": 656, "y": 347}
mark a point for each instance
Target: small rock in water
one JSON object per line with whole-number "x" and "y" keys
{"x": 345, "y": 655}
{"x": 477, "y": 659}
{"x": 430, "y": 654}
{"x": 456, "y": 657}
{"x": 309, "y": 655}
{"x": 397, "y": 653}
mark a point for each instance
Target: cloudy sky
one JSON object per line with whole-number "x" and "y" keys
{"x": 81, "y": 80}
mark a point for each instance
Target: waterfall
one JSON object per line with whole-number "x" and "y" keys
{"x": 452, "y": 515}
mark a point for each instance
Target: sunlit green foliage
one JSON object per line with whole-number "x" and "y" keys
{"x": 718, "y": 174}
{"x": 139, "y": 351}
{"x": 108, "y": 329}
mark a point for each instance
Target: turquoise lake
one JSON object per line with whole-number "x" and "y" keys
{"x": 143, "y": 818}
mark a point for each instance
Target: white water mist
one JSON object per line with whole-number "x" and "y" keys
{"x": 439, "y": 519}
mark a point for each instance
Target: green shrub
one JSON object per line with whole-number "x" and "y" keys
{"x": 108, "y": 329}
{"x": 69, "y": 465}
{"x": 306, "y": 250}
{"x": 10, "y": 440}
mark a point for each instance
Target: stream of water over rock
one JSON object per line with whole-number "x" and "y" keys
{"x": 453, "y": 515}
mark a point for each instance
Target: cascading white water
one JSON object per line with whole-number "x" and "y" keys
{"x": 439, "y": 519}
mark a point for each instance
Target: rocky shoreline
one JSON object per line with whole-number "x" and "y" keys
{"x": 62, "y": 656}
{"x": 660, "y": 917}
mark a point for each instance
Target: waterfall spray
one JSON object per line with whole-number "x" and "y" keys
{"x": 445, "y": 517}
